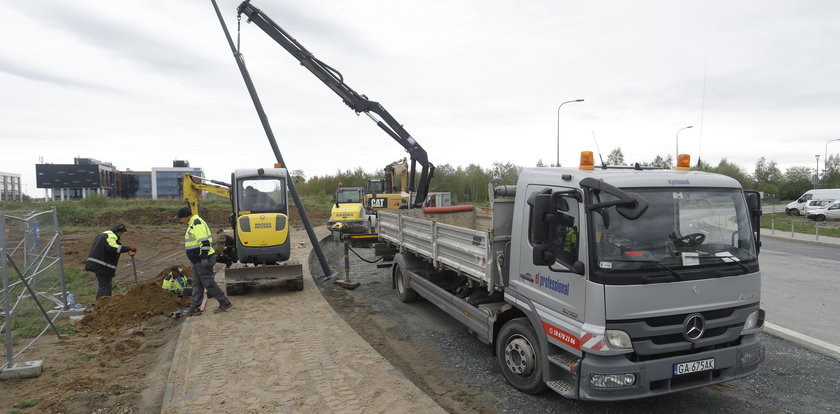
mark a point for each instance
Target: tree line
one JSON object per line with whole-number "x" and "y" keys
{"x": 469, "y": 184}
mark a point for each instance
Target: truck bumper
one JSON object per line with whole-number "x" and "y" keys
{"x": 656, "y": 377}
{"x": 360, "y": 226}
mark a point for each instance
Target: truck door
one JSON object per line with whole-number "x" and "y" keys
{"x": 556, "y": 289}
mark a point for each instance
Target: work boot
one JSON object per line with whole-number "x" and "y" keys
{"x": 223, "y": 308}
{"x": 192, "y": 312}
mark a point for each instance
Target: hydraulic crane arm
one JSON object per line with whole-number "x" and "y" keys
{"x": 193, "y": 186}
{"x": 359, "y": 103}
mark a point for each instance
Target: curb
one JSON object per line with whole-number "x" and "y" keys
{"x": 814, "y": 344}
{"x": 169, "y": 389}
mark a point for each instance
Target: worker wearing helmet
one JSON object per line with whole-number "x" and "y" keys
{"x": 103, "y": 257}
{"x": 198, "y": 243}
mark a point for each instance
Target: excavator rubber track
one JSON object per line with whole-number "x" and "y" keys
{"x": 240, "y": 278}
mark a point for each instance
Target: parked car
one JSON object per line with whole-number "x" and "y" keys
{"x": 829, "y": 212}
{"x": 811, "y": 205}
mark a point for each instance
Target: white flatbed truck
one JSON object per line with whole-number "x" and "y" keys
{"x": 600, "y": 284}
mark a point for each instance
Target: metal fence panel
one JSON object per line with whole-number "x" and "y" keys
{"x": 32, "y": 272}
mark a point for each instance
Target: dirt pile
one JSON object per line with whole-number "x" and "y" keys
{"x": 139, "y": 303}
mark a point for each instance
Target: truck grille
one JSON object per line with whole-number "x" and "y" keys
{"x": 662, "y": 336}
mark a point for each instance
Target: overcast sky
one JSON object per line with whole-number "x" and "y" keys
{"x": 142, "y": 83}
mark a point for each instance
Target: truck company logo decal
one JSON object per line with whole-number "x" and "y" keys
{"x": 679, "y": 182}
{"x": 561, "y": 335}
{"x": 552, "y": 284}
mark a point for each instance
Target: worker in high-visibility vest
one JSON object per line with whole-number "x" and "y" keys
{"x": 103, "y": 257}
{"x": 198, "y": 243}
{"x": 176, "y": 282}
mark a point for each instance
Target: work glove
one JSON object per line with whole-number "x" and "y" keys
{"x": 132, "y": 249}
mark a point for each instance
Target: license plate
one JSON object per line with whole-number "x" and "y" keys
{"x": 694, "y": 366}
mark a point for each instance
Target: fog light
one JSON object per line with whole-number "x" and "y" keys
{"x": 752, "y": 357}
{"x": 612, "y": 380}
{"x": 618, "y": 339}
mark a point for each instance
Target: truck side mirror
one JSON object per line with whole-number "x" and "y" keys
{"x": 544, "y": 255}
{"x": 542, "y": 218}
{"x": 754, "y": 206}
{"x": 634, "y": 210}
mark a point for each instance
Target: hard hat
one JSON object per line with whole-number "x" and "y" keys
{"x": 119, "y": 228}
{"x": 184, "y": 212}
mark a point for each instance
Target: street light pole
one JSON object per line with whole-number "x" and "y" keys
{"x": 825, "y": 160}
{"x": 677, "y": 155}
{"x": 558, "y": 129}
{"x": 817, "y": 177}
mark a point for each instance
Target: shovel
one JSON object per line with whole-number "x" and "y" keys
{"x": 133, "y": 266}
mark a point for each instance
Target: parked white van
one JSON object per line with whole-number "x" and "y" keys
{"x": 794, "y": 208}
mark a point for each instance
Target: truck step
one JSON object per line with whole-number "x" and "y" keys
{"x": 563, "y": 388}
{"x": 563, "y": 361}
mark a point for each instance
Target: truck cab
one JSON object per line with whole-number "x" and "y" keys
{"x": 647, "y": 280}
{"x": 607, "y": 284}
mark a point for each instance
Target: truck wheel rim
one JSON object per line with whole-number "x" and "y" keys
{"x": 519, "y": 356}
{"x": 400, "y": 287}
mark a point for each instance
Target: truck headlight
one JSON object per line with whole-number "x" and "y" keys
{"x": 612, "y": 380}
{"x": 618, "y": 339}
{"x": 754, "y": 320}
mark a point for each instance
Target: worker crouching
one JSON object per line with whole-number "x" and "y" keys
{"x": 198, "y": 243}
{"x": 176, "y": 282}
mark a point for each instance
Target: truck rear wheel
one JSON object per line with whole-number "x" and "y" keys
{"x": 405, "y": 293}
{"x": 520, "y": 357}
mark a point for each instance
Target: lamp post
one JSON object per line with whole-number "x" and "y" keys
{"x": 677, "y": 155}
{"x": 558, "y": 129}
{"x": 817, "y": 176}
{"x": 825, "y": 160}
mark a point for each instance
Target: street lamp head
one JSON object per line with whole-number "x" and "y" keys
{"x": 578, "y": 100}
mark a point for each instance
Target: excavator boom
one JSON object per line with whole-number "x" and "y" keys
{"x": 357, "y": 102}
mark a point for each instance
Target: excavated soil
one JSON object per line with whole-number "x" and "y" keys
{"x": 139, "y": 303}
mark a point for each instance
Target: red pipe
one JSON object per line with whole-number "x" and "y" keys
{"x": 450, "y": 209}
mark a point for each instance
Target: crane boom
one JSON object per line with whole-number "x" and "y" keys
{"x": 357, "y": 102}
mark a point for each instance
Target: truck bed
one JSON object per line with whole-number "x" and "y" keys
{"x": 464, "y": 242}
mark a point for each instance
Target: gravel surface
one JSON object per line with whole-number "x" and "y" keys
{"x": 462, "y": 375}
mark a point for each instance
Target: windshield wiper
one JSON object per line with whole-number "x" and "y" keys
{"x": 655, "y": 279}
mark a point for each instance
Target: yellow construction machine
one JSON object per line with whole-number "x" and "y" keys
{"x": 260, "y": 221}
{"x": 348, "y": 214}
{"x": 390, "y": 192}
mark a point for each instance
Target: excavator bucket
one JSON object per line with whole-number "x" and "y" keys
{"x": 240, "y": 279}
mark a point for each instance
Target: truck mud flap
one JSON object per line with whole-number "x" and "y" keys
{"x": 240, "y": 279}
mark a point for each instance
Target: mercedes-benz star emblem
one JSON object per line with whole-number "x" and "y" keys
{"x": 695, "y": 325}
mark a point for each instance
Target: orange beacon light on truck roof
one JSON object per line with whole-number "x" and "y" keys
{"x": 587, "y": 160}
{"x": 683, "y": 162}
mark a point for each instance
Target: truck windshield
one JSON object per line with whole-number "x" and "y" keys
{"x": 685, "y": 234}
{"x": 262, "y": 195}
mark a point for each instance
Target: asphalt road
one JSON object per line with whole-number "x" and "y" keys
{"x": 799, "y": 287}
{"x": 460, "y": 373}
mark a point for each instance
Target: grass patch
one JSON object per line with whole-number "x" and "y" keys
{"x": 28, "y": 403}
{"x": 85, "y": 356}
{"x": 782, "y": 222}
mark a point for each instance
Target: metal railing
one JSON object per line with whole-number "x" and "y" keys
{"x": 32, "y": 273}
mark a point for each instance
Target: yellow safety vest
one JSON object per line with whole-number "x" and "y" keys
{"x": 198, "y": 239}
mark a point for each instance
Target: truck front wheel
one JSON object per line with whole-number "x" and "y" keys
{"x": 520, "y": 357}
{"x": 405, "y": 293}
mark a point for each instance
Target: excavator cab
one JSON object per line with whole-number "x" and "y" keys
{"x": 261, "y": 219}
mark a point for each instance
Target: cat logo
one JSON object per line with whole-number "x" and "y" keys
{"x": 378, "y": 202}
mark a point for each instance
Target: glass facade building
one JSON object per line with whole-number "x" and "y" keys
{"x": 166, "y": 182}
